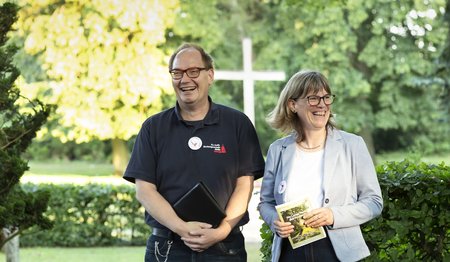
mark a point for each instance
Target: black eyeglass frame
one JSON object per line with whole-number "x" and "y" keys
{"x": 188, "y": 71}
{"x": 308, "y": 98}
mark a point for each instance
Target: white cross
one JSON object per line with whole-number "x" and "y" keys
{"x": 249, "y": 77}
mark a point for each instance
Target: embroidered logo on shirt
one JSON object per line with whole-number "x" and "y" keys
{"x": 218, "y": 148}
{"x": 222, "y": 150}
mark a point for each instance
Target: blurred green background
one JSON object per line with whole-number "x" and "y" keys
{"x": 104, "y": 65}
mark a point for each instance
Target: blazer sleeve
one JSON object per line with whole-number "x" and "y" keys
{"x": 369, "y": 202}
{"x": 267, "y": 203}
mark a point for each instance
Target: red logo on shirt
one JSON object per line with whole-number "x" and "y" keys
{"x": 217, "y": 148}
{"x": 221, "y": 150}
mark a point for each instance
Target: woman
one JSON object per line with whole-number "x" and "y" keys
{"x": 330, "y": 167}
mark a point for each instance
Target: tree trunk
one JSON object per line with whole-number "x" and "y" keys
{"x": 11, "y": 248}
{"x": 366, "y": 134}
{"x": 120, "y": 156}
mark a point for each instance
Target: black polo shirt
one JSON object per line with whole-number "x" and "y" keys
{"x": 175, "y": 154}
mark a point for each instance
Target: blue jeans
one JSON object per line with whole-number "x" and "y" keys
{"x": 230, "y": 249}
{"x": 320, "y": 250}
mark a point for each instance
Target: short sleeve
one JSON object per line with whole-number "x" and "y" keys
{"x": 142, "y": 164}
{"x": 250, "y": 155}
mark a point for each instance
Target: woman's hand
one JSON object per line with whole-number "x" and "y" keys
{"x": 319, "y": 217}
{"x": 283, "y": 229}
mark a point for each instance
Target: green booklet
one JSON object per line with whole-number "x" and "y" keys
{"x": 293, "y": 212}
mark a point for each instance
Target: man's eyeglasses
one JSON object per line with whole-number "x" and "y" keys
{"x": 192, "y": 72}
{"x": 315, "y": 100}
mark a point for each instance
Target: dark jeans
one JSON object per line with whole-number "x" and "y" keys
{"x": 230, "y": 249}
{"x": 320, "y": 250}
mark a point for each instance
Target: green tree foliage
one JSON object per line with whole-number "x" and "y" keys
{"x": 101, "y": 61}
{"x": 386, "y": 61}
{"x": 373, "y": 52}
{"x": 377, "y": 55}
{"x": 19, "y": 210}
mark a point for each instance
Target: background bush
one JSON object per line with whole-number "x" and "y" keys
{"x": 90, "y": 215}
{"x": 414, "y": 224}
{"x": 53, "y": 149}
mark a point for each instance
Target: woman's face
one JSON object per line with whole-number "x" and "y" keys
{"x": 312, "y": 117}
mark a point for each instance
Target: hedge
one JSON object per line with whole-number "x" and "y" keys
{"x": 414, "y": 224}
{"x": 90, "y": 215}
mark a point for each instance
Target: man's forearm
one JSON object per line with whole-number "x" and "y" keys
{"x": 238, "y": 203}
{"x": 157, "y": 206}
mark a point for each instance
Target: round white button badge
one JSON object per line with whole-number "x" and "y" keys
{"x": 282, "y": 187}
{"x": 195, "y": 143}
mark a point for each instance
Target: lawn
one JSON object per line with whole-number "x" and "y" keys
{"x": 398, "y": 156}
{"x": 113, "y": 254}
{"x": 82, "y": 168}
{"x": 82, "y": 172}
{"x": 77, "y": 172}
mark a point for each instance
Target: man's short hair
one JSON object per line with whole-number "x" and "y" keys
{"x": 207, "y": 59}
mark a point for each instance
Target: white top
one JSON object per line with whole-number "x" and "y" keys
{"x": 305, "y": 179}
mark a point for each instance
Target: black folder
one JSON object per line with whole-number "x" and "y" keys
{"x": 199, "y": 204}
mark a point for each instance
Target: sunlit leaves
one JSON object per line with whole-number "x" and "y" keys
{"x": 103, "y": 60}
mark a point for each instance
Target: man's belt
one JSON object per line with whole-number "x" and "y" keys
{"x": 166, "y": 233}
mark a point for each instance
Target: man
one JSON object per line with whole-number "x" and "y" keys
{"x": 197, "y": 140}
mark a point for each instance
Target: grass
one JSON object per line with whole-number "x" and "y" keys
{"x": 82, "y": 169}
{"x": 113, "y": 254}
{"x": 45, "y": 254}
{"x": 77, "y": 172}
{"x": 72, "y": 168}
{"x": 398, "y": 156}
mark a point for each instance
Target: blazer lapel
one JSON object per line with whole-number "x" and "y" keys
{"x": 332, "y": 148}
{"x": 287, "y": 151}
{"x": 287, "y": 156}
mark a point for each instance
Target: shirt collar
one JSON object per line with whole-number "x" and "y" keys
{"x": 211, "y": 118}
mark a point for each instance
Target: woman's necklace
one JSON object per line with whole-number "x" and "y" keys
{"x": 310, "y": 148}
{"x": 313, "y": 148}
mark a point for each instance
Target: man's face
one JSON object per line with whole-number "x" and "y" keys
{"x": 191, "y": 91}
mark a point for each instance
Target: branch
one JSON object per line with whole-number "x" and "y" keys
{"x": 29, "y": 230}
{"x": 9, "y": 236}
{"x": 15, "y": 139}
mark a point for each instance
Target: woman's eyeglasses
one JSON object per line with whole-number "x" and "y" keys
{"x": 315, "y": 100}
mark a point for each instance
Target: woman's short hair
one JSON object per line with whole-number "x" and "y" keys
{"x": 207, "y": 58}
{"x": 299, "y": 86}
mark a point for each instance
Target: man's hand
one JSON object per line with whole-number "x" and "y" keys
{"x": 201, "y": 238}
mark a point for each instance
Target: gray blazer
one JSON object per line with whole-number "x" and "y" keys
{"x": 350, "y": 184}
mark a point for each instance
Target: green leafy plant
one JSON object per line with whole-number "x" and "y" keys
{"x": 266, "y": 245}
{"x": 90, "y": 215}
{"x": 414, "y": 224}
